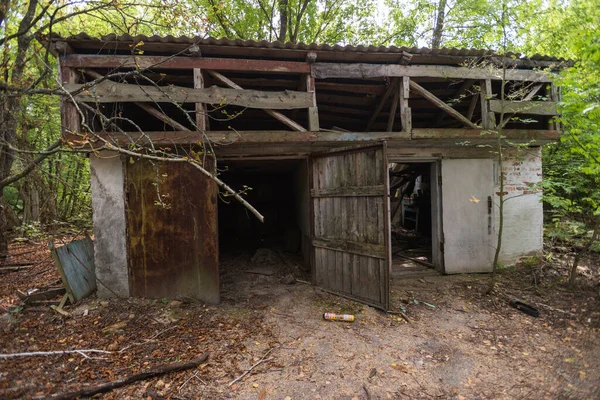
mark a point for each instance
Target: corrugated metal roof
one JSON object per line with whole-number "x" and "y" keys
{"x": 114, "y": 39}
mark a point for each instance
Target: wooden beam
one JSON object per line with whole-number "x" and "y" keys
{"x": 162, "y": 116}
{"x": 313, "y": 111}
{"x": 146, "y": 107}
{"x": 363, "y": 71}
{"x": 163, "y": 62}
{"x": 533, "y": 92}
{"x": 405, "y": 111}
{"x": 113, "y": 92}
{"x": 70, "y": 118}
{"x": 201, "y": 115}
{"x": 452, "y": 112}
{"x": 473, "y": 136}
{"x": 487, "y": 120}
{"x": 466, "y": 85}
{"x": 277, "y": 115}
{"x": 524, "y": 107}
{"x": 393, "y": 109}
{"x": 472, "y": 106}
{"x": 381, "y": 103}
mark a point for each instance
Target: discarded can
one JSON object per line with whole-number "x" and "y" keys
{"x": 338, "y": 317}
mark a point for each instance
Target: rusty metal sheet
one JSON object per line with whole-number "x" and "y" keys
{"x": 172, "y": 231}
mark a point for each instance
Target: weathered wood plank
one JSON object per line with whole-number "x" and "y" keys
{"x": 346, "y": 191}
{"x": 362, "y": 71}
{"x": 524, "y": 107}
{"x": 277, "y": 115}
{"x": 364, "y": 249}
{"x": 405, "y": 111}
{"x": 452, "y": 112}
{"x": 113, "y": 92}
{"x": 162, "y": 62}
{"x": 270, "y": 137}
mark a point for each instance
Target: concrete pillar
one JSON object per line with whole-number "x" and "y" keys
{"x": 110, "y": 234}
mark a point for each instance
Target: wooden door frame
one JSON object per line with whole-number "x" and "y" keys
{"x": 437, "y": 248}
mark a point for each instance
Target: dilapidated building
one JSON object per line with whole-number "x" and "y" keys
{"x": 336, "y": 142}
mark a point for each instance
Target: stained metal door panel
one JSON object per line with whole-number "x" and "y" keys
{"x": 172, "y": 247}
{"x": 468, "y": 234}
{"x": 351, "y": 234}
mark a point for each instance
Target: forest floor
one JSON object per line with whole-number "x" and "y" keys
{"x": 459, "y": 344}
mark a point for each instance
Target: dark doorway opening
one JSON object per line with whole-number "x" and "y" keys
{"x": 255, "y": 255}
{"x": 411, "y": 218}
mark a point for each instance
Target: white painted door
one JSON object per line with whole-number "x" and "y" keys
{"x": 467, "y": 215}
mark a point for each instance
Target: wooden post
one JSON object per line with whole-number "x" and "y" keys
{"x": 393, "y": 109}
{"x": 70, "y": 124}
{"x": 405, "y": 112}
{"x": 313, "y": 112}
{"x": 201, "y": 116}
{"x": 487, "y": 117}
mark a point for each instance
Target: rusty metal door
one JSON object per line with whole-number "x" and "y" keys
{"x": 351, "y": 251}
{"x": 172, "y": 231}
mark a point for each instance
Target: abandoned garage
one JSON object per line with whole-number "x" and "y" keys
{"x": 371, "y": 161}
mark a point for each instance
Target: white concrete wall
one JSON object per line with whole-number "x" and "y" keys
{"x": 110, "y": 234}
{"x": 523, "y": 210}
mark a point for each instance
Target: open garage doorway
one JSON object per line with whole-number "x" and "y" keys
{"x": 415, "y": 210}
{"x": 255, "y": 256}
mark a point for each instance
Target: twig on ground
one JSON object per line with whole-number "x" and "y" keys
{"x": 108, "y": 386}
{"x": 52, "y": 353}
{"x": 263, "y": 359}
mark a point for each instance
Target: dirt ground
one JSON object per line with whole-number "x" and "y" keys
{"x": 459, "y": 344}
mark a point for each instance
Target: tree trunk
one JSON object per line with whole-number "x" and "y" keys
{"x": 283, "y": 19}
{"x": 438, "y": 29}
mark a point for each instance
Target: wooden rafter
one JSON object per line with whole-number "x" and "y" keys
{"x": 466, "y": 85}
{"x": 277, "y": 115}
{"x": 382, "y": 101}
{"x": 432, "y": 98}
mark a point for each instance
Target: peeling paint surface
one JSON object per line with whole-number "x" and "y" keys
{"x": 172, "y": 231}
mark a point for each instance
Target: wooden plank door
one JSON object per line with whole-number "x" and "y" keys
{"x": 467, "y": 215}
{"x": 351, "y": 224}
{"x": 172, "y": 231}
